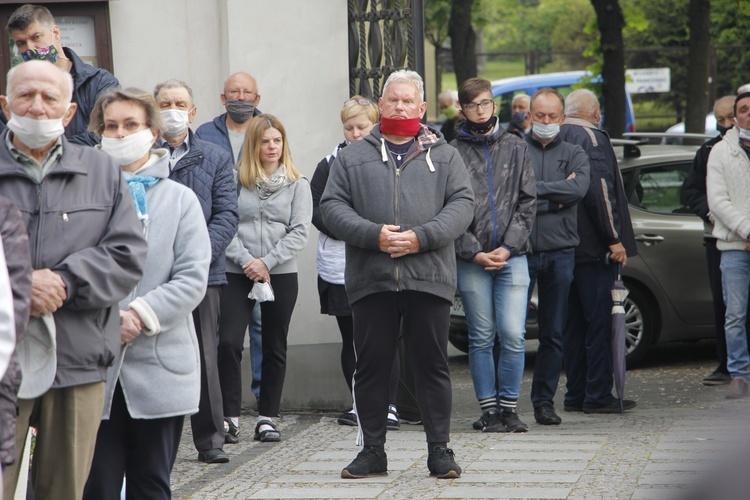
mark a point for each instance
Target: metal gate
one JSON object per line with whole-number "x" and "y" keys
{"x": 384, "y": 36}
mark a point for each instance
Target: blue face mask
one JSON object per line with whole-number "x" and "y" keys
{"x": 42, "y": 54}
{"x": 519, "y": 118}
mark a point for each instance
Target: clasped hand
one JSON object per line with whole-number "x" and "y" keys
{"x": 256, "y": 270}
{"x": 396, "y": 243}
{"x": 48, "y": 292}
{"x": 130, "y": 326}
{"x": 494, "y": 260}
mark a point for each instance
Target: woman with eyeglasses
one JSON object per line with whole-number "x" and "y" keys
{"x": 358, "y": 116}
{"x": 155, "y": 381}
{"x": 275, "y": 208}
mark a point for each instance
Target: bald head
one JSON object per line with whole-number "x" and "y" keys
{"x": 240, "y": 81}
{"x": 39, "y": 71}
{"x": 724, "y": 112}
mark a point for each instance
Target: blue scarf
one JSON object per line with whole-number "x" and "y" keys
{"x": 138, "y": 185}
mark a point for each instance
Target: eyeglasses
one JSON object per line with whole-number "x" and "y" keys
{"x": 113, "y": 127}
{"x": 234, "y": 93}
{"x": 472, "y": 106}
{"x": 363, "y": 102}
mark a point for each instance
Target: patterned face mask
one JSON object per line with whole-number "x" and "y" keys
{"x": 42, "y": 54}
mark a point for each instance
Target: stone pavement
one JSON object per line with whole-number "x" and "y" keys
{"x": 658, "y": 450}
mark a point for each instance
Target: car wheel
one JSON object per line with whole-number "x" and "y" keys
{"x": 639, "y": 325}
{"x": 459, "y": 339}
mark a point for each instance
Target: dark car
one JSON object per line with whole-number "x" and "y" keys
{"x": 670, "y": 298}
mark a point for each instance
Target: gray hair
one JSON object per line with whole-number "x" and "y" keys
{"x": 452, "y": 94}
{"x": 67, "y": 79}
{"x": 173, "y": 83}
{"x": 406, "y": 76}
{"x": 518, "y": 97}
{"x": 581, "y": 102}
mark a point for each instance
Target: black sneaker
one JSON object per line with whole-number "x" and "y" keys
{"x": 545, "y": 415}
{"x": 492, "y": 423}
{"x": 613, "y": 407}
{"x": 231, "y": 432}
{"x": 347, "y": 418}
{"x": 482, "y": 421}
{"x": 392, "y": 423}
{"x": 442, "y": 464}
{"x": 509, "y": 418}
{"x": 371, "y": 461}
{"x": 717, "y": 378}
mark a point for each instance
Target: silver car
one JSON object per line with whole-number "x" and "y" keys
{"x": 670, "y": 298}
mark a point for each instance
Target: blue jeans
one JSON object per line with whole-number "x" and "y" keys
{"x": 735, "y": 279}
{"x": 256, "y": 349}
{"x": 553, "y": 273}
{"x": 495, "y": 303}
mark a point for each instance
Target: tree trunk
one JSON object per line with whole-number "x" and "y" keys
{"x": 611, "y": 21}
{"x": 698, "y": 57}
{"x": 463, "y": 40}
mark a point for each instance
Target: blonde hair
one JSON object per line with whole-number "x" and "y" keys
{"x": 250, "y": 167}
{"x": 354, "y": 107}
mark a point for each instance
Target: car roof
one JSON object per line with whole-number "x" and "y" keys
{"x": 531, "y": 83}
{"x": 656, "y": 153}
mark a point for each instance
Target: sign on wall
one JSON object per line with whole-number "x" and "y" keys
{"x": 78, "y": 33}
{"x": 648, "y": 80}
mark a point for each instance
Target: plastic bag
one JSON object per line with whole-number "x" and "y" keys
{"x": 261, "y": 292}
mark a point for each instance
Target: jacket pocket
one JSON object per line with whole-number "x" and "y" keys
{"x": 80, "y": 227}
{"x": 174, "y": 349}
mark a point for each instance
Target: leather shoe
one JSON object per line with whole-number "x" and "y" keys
{"x": 213, "y": 456}
{"x": 572, "y": 407}
{"x": 717, "y": 378}
{"x": 613, "y": 407}
{"x": 737, "y": 389}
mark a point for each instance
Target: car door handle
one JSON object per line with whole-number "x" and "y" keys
{"x": 649, "y": 239}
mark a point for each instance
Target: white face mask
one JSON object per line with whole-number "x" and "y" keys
{"x": 130, "y": 148}
{"x": 546, "y": 132}
{"x": 35, "y": 133}
{"x": 176, "y": 121}
{"x": 744, "y": 133}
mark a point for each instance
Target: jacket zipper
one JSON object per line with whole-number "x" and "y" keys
{"x": 398, "y": 208}
{"x": 38, "y": 236}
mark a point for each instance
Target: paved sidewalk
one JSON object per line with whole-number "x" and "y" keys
{"x": 656, "y": 451}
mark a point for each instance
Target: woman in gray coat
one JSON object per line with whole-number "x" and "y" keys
{"x": 275, "y": 207}
{"x": 155, "y": 381}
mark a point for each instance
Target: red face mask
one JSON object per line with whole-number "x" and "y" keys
{"x": 408, "y": 127}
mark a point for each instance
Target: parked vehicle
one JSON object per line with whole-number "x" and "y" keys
{"x": 505, "y": 89}
{"x": 679, "y": 128}
{"x": 670, "y": 298}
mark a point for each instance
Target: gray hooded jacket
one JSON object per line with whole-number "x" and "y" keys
{"x": 430, "y": 194}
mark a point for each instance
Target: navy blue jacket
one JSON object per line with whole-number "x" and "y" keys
{"x": 603, "y": 216}
{"x": 207, "y": 170}
{"x": 216, "y": 132}
{"x": 88, "y": 83}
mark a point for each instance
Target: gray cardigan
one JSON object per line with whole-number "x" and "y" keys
{"x": 159, "y": 371}
{"x": 273, "y": 230}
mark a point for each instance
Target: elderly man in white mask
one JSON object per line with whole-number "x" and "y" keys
{"x": 87, "y": 252}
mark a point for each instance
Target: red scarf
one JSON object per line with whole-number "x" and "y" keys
{"x": 408, "y": 127}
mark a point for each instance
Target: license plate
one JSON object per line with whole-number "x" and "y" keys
{"x": 458, "y": 307}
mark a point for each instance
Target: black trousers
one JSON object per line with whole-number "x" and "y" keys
{"x": 236, "y": 310}
{"x": 378, "y": 320}
{"x": 144, "y": 450}
{"x": 208, "y": 423}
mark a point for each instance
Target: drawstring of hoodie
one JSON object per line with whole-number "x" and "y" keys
{"x": 384, "y": 153}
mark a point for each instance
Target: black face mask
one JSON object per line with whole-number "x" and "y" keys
{"x": 722, "y": 130}
{"x": 481, "y": 128}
